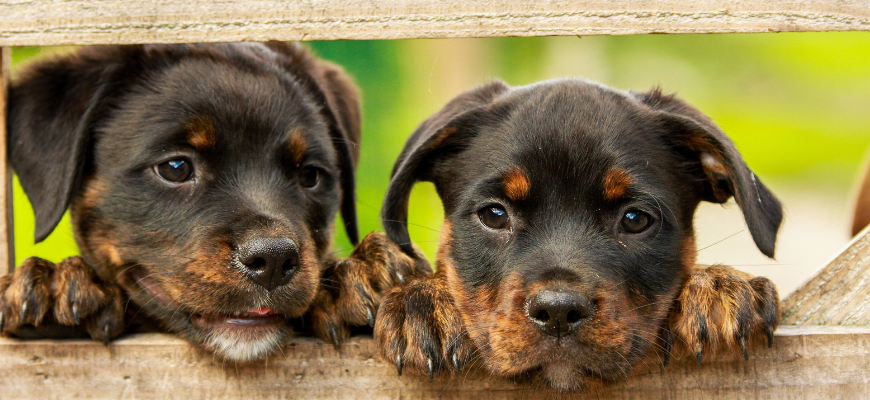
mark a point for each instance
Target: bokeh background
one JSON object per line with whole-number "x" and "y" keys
{"x": 796, "y": 104}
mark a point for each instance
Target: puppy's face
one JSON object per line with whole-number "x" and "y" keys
{"x": 211, "y": 185}
{"x": 569, "y": 221}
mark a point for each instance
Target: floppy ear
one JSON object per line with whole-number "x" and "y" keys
{"x": 52, "y": 109}
{"x": 335, "y": 91}
{"x": 444, "y": 133}
{"x": 724, "y": 173}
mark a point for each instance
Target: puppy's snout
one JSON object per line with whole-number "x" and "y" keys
{"x": 269, "y": 262}
{"x": 558, "y": 312}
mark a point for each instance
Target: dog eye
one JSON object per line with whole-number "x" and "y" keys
{"x": 636, "y": 221}
{"x": 178, "y": 170}
{"x": 309, "y": 176}
{"x": 494, "y": 217}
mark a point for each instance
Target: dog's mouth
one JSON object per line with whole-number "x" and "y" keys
{"x": 254, "y": 317}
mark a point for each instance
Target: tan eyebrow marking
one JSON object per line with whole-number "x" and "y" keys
{"x": 297, "y": 144}
{"x": 516, "y": 183}
{"x": 616, "y": 184}
{"x": 200, "y": 132}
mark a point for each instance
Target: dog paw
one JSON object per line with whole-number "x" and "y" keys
{"x": 351, "y": 289}
{"x": 723, "y": 309}
{"x": 419, "y": 327}
{"x": 67, "y": 291}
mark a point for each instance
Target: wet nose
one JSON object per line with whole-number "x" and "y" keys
{"x": 557, "y": 313}
{"x": 269, "y": 262}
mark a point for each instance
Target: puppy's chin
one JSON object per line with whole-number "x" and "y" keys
{"x": 247, "y": 344}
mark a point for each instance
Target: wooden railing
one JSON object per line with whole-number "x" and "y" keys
{"x": 822, "y": 352}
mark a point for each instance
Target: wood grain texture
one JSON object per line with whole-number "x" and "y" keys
{"x": 54, "y": 22}
{"x": 7, "y": 239}
{"x": 839, "y": 294}
{"x": 804, "y": 363}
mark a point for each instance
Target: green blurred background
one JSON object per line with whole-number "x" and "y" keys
{"x": 796, "y": 104}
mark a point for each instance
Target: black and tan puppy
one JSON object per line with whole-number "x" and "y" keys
{"x": 203, "y": 181}
{"x": 567, "y": 254}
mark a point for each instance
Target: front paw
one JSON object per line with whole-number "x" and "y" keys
{"x": 351, "y": 289}
{"x": 68, "y": 291}
{"x": 418, "y": 326}
{"x": 723, "y": 309}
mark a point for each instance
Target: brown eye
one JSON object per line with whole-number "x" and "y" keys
{"x": 635, "y": 221}
{"x": 309, "y": 177}
{"x": 494, "y": 217}
{"x": 178, "y": 170}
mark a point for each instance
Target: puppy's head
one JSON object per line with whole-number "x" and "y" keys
{"x": 568, "y": 225}
{"x": 204, "y": 179}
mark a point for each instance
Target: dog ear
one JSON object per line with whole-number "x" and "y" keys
{"x": 334, "y": 90}
{"x": 53, "y": 106}
{"x": 724, "y": 173}
{"x": 442, "y": 134}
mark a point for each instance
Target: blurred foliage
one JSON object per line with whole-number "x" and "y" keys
{"x": 796, "y": 104}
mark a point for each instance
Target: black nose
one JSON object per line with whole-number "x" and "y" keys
{"x": 269, "y": 262}
{"x": 558, "y": 312}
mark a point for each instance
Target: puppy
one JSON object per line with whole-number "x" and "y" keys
{"x": 203, "y": 183}
{"x": 567, "y": 252}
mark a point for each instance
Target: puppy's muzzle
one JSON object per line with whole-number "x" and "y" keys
{"x": 558, "y": 312}
{"x": 269, "y": 262}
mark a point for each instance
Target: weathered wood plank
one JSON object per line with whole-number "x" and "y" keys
{"x": 54, "y": 22}
{"x": 7, "y": 233}
{"x": 839, "y": 294}
{"x": 804, "y": 363}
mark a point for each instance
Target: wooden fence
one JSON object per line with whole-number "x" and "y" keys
{"x": 822, "y": 352}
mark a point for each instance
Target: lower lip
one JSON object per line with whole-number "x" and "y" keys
{"x": 252, "y": 318}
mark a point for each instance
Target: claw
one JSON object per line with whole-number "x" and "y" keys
{"x": 769, "y": 336}
{"x": 743, "y": 346}
{"x": 456, "y": 363}
{"x": 334, "y": 336}
{"x": 699, "y": 355}
{"x": 76, "y": 317}
{"x": 23, "y": 314}
{"x": 106, "y": 335}
{"x": 399, "y": 364}
{"x": 669, "y": 342}
{"x": 400, "y": 277}
{"x": 370, "y": 318}
{"x": 2, "y": 321}
{"x": 431, "y": 366}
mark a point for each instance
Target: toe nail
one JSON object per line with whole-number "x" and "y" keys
{"x": 745, "y": 350}
{"x": 105, "y": 335}
{"x": 669, "y": 340}
{"x": 769, "y": 337}
{"x": 400, "y": 277}
{"x": 699, "y": 355}
{"x": 370, "y": 317}
{"x": 399, "y": 364}
{"x": 75, "y": 312}
{"x": 431, "y": 366}
{"x": 23, "y": 314}
{"x": 334, "y": 336}
{"x": 456, "y": 363}
{"x": 2, "y": 321}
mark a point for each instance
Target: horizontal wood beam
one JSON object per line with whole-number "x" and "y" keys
{"x": 83, "y": 22}
{"x": 805, "y": 362}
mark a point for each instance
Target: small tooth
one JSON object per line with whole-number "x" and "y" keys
{"x": 431, "y": 366}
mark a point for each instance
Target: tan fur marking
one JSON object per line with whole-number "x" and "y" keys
{"x": 297, "y": 145}
{"x": 200, "y": 133}
{"x": 516, "y": 184}
{"x": 616, "y": 183}
{"x": 111, "y": 252}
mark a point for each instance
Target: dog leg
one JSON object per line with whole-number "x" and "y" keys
{"x": 723, "y": 309}
{"x": 351, "y": 289}
{"x": 68, "y": 292}
{"x": 419, "y": 326}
